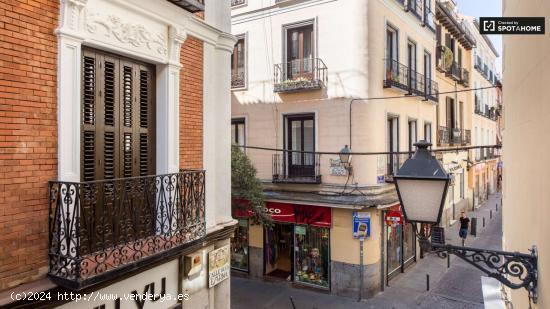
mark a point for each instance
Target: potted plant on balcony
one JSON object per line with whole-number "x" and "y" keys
{"x": 447, "y": 58}
{"x": 297, "y": 82}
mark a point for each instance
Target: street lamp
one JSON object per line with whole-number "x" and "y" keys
{"x": 345, "y": 157}
{"x": 421, "y": 185}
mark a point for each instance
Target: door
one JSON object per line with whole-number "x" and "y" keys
{"x": 411, "y": 51}
{"x": 300, "y": 52}
{"x": 117, "y": 134}
{"x": 392, "y": 67}
{"x": 393, "y": 145}
{"x": 427, "y": 73}
{"x": 301, "y": 137}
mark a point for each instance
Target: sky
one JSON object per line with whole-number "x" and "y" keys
{"x": 484, "y": 8}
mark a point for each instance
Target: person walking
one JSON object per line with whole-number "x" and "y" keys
{"x": 464, "y": 224}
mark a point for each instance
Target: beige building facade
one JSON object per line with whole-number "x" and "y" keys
{"x": 484, "y": 172}
{"x": 299, "y": 85}
{"x": 455, "y": 41}
{"x": 525, "y": 175}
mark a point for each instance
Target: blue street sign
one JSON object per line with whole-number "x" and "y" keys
{"x": 361, "y": 224}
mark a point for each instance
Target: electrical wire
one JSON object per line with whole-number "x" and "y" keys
{"x": 449, "y": 149}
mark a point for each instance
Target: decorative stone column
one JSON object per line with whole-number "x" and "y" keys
{"x": 68, "y": 89}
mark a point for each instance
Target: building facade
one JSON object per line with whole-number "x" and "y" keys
{"x": 115, "y": 179}
{"x": 299, "y": 87}
{"x": 525, "y": 176}
{"x": 484, "y": 173}
{"x": 454, "y": 112}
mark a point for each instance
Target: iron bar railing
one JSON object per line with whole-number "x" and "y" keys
{"x": 300, "y": 75}
{"x": 400, "y": 76}
{"x": 443, "y": 135}
{"x": 415, "y": 7}
{"x": 393, "y": 164}
{"x": 237, "y": 80}
{"x": 102, "y": 226}
{"x": 296, "y": 167}
{"x": 465, "y": 77}
{"x": 466, "y": 137}
{"x": 454, "y": 71}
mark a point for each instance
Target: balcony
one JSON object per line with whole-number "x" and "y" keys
{"x": 192, "y": 6}
{"x": 300, "y": 75}
{"x": 453, "y": 23}
{"x": 454, "y": 71}
{"x": 238, "y": 2}
{"x": 465, "y": 77}
{"x": 393, "y": 164}
{"x": 102, "y": 228}
{"x": 478, "y": 64}
{"x": 466, "y": 137}
{"x": 402, "y": 77}
{"x": 415, "y": 7}
{"x": 296, "y": 167}
{"x": 237, "y": 80}
{"x": 453, "y": 136}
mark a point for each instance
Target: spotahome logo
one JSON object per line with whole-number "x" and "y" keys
{"x": 511, "y": 25}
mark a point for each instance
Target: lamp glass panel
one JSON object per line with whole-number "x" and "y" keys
{"x": 421, "y": 198}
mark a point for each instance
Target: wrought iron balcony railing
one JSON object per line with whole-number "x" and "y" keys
{"x": 402, "y": 77}
{"x": 465, "y": 77}
{"x": 456, "y": 136}
{"x": 454, "y": 71}
{"x": 466, "y": 137}
{"x": 296, "y": 167}
{"x": 192, "y": 6}
{"x": 453, "y": 136}
{"x": 443, "y": 135}
{"x": 100, "y": 228}
{"x": 300, "y": 75}
{"x": 415, "y": 7}
{"x": 429, "y": 19}
{"x": 393, "y": 164}
{"x": 237, "y": 80}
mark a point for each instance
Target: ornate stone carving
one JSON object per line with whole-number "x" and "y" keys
{"x": 127, "y": 33}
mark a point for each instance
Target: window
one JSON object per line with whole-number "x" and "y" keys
{"x": 312, "y": 256}
{"x": 392, "y": 44}
{"x": 428, "y": 132}
{"x": 239, "y": 246}
{"x": 300, "y": 136}
{"x": 428, "y": 73}
{"x": 118, "y": 113}
{"x": 299, "y": 51}
{"x": 238, "y": 67}
{"x": 412, "y": 135}
{"x": 238, "y": 133}
{"x": 411, "y": 55}
{"x": 451, "y": 115}
{"x": 393, "y": 144}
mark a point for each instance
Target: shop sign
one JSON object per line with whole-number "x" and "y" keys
{"x": 337, "y": 168}
{"x": 291, "y": 213}
{"x": 454, "y": 168}
{"x": 361, "y": 224}
{"x": 218, "y": 266}
{"x": 393, "y": 218}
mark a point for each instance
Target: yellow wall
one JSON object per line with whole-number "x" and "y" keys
{"x": 344, "y": 248}
{"x": 526, "y": 194}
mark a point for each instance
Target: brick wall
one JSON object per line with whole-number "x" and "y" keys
{"x": 28, "y": 51}
{"x": 191, "y": 93}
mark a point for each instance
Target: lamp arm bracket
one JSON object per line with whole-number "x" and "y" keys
{"x": 513, "y": 269}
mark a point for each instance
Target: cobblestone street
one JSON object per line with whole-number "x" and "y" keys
{"x": 456, "y": 287}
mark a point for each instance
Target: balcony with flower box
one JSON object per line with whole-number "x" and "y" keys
{"x": 192, "y": 6}
{"x": 300, "y": 75}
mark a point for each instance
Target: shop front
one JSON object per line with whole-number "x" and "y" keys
{"x": 296, "y": 246}
{"x": 400, "y": 243}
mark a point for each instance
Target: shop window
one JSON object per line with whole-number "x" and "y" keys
{"x": 312, "y": 255}
{"x": 239, "y": 246}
